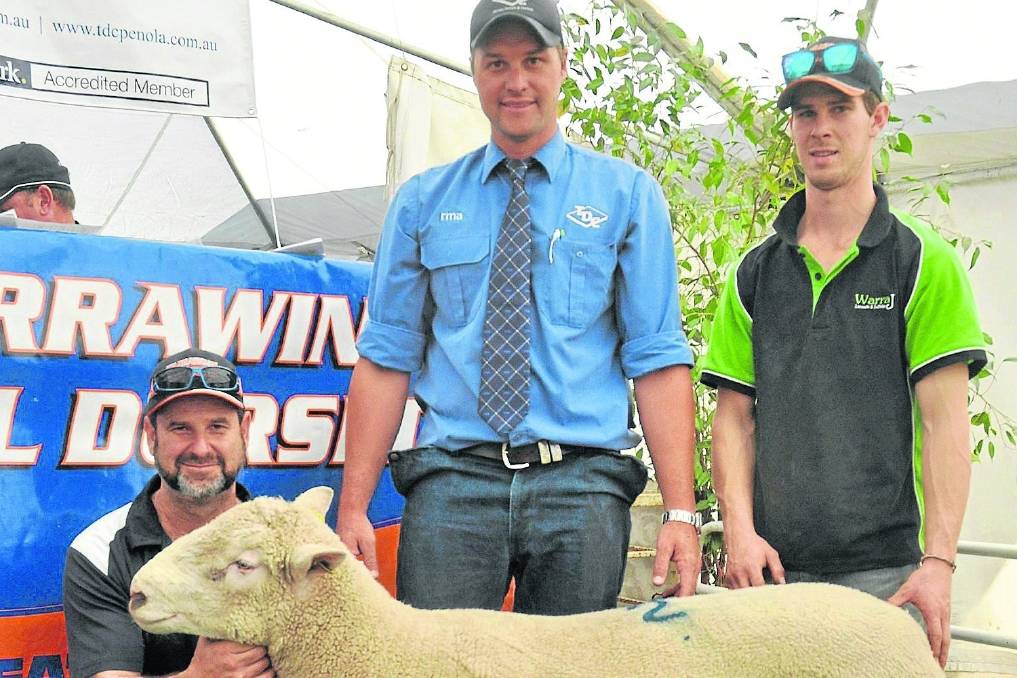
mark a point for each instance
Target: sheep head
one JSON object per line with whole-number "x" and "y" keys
{"x": 231, "y": 578}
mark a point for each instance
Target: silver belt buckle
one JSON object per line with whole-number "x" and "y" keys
{"x": 505, "y": 459}
{"x": 549, "y": 452}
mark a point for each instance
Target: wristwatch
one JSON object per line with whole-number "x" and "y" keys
{"x": 682, "y": 516}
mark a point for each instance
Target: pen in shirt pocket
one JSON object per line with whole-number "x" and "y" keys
{"x": 556, "y": 235}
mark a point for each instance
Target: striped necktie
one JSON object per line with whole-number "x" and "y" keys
{"x": 505, "y": 356}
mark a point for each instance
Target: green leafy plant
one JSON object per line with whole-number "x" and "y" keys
{"x": 627, "y": 97}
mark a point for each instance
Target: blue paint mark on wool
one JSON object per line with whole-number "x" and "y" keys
{"x": 653, "y": 614}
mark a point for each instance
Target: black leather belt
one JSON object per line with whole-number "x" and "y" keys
{"x": 540, "y": 452}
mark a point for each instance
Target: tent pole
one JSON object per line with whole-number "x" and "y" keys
{"x": 258, "y": 209}
{"x": 365, "y": 32}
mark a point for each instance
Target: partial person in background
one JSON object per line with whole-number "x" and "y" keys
{"x": 841, "y": 349}
{"x": 525, "y": 284}
{"x": 35, "y": 185}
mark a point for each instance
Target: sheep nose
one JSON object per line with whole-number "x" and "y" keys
{"x": 137, "y": 600}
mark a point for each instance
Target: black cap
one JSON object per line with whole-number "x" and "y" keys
{"x": 864, "y": 77}
{"x": 26, "y": 165}
{"x": 193, "y": 357}
{"x": 541, "y": 15}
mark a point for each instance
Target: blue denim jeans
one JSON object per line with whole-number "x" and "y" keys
{"x": 882, "y": 582}
{"x": 470, "y": 526}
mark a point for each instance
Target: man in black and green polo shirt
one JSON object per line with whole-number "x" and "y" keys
{"x": 841, "y": 349}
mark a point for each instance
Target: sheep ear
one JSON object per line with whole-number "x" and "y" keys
{"x": 317, "y": 499}
{"x": 311, "y": 560}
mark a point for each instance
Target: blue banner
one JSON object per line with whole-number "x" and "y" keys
{"x": 83, "y": 319}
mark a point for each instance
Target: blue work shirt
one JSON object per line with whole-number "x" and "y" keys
{"x": 603, "y": 281}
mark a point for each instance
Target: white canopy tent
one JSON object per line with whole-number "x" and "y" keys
{"x": 322, "y": 110}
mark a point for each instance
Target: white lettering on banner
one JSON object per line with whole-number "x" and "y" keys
{"x": 405, "y": 438}
{"x": 10, "y": 73}
{"x": 298, "y": 327}
{"x": 159, "y": 317}
{"x": 21, "y": 303}
{"x": 102, "y": 414}
{"x": 264, "y": 419}
{"x": 71, "y": 315}
{"x": 253, "y": 332}
{"x": 90, "y": 305}
{"x": 307, "y": 428}
{"x": 105, "y": 423}
{"x": 13, "y": 455}
{"x": 84, "y": 310}
{"x": 335, "y": 320}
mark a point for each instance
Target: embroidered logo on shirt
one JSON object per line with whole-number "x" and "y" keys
{"x": 870, "y": 302}
{"x": 586, "y": 216}
{"x": 513, "y": 3}
{"x": 450, "y": 216}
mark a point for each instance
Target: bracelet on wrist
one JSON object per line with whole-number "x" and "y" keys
{"x": 952, "y": 564}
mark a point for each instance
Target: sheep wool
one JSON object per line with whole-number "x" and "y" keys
{"x": 272, "y": 573}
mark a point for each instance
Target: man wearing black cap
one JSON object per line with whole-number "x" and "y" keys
{"x": 197, "y": 429}
{"x": 841, "y": 348}
{"x": 525, "y": 284}
{"x": 35, "y": 185}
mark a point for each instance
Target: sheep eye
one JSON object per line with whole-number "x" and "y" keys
{"x": 245, "y": 566}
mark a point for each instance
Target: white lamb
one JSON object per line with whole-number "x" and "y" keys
{"x": 272, "y": 573}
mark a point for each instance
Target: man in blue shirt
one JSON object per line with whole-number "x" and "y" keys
{"x": 544, "y": 501}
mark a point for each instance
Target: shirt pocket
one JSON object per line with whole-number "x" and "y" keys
{"x": 457, "y": 268}
{"x": 581, "y": 280}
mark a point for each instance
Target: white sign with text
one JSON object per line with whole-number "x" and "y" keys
{"x": 188, "y": 56}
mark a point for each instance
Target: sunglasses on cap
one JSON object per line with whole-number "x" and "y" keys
{"x": 175, "y": 379}
{"x": 838, "y": 58}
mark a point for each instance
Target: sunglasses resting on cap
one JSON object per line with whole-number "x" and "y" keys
{"x": 194, "y": 372}
{"x": 841, "y": 63}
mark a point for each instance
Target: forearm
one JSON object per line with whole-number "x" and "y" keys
{"x": 667, "y": 416}
{"x": 376, "y": 401}
{"x": 946, "y": 457}
{"x": 734, "y": 458}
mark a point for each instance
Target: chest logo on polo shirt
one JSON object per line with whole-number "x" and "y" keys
{"x": 586, "y": 216}
{"x": 874, "y": 302}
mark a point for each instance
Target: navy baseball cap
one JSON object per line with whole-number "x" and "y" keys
{"x": 540, "y": 15}
{"x": 29, "y": 165}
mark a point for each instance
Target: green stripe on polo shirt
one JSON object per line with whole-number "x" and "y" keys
{"x": 916, "y": 468}
{"x": 941, "y": 316}
{"x": 730, "y": 342}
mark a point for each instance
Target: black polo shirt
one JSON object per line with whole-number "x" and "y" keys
{"x": 101, "y": 562}
{"x": 832, "y": 358}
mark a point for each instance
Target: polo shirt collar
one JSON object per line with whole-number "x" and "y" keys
{"x": 876, "y": 228}
{"x": 550, "y": 156}
{"x": 143, "y": 527}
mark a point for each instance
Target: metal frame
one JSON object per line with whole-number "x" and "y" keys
{"x": 968, "y": 548}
